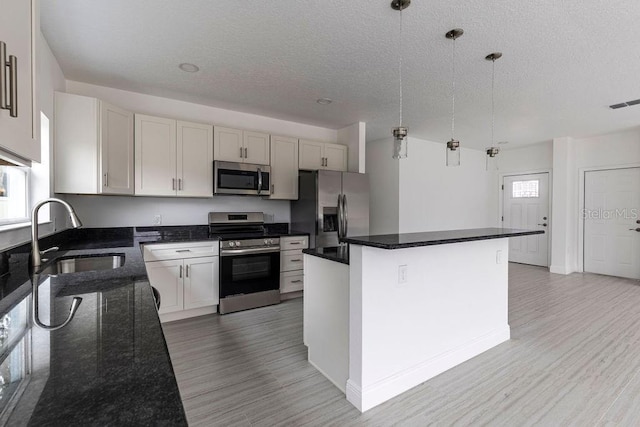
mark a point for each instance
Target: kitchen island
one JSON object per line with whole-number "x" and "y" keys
{"x": 414, "y": 305}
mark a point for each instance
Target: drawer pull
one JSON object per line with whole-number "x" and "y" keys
{"x": 296, "y": 281}
{"x": 183, "y": 250}
{"x": 295, "y": 243}
{"x": 296, "y": 260}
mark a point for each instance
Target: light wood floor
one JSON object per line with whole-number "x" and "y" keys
{"x": 574, "y": 359}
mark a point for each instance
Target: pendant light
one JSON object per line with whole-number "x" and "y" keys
{"x": 492, "y": 152}
{"x": 400, "y": 133}
{"x": 453, "y": 145}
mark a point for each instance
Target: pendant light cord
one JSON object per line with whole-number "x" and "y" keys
{"x": 400, "y": 66}
{"x": 453, "y": 91}
{"x": 493, "y": 104}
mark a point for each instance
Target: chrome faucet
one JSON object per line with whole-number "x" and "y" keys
{"x": 36, "y": 254}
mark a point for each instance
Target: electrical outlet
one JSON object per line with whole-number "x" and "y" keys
{"x": 403, "y": 274}
{"x": 157, "y": 220}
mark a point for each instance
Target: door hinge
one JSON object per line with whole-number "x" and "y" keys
{"x": 503, "y": 186}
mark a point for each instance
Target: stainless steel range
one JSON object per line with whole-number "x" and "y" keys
{"x": 249, "y": 261}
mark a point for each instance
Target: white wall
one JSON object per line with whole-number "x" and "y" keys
{"x": 436, "y": 197}
{"x": 384, "y": 175}
{"x": 49, "y": 78}
{"x": 123, "y": 211}
{"x": 354, "y": 137}
{"x": 104, "y": 211}
{"x": 571, "y": 157}
{"x": 530, "y": 158}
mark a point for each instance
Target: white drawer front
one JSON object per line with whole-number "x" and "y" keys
{"x": 294, "y": 242}
{"x": 163, "y": 251}
{"x": 291, "y": 282}
{"x": 291, "y": 260}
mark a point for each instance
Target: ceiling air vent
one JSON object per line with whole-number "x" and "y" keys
{"x": 625, "y": 104}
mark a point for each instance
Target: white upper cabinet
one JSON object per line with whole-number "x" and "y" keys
{"x": 195, "y": 160}
{"x": 235, "y": 145}
{"x": 93, "y": 146}
{"x": 284, "y": 168}
{"x": 19, "y": 25}
{"x": 173, "y": 158}
{"x": 316, "y": 155}
{"x": 155, "y": 143}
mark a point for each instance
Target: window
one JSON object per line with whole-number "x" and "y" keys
{"x": 13, "y": 194}
{"x": 523, "y": 189}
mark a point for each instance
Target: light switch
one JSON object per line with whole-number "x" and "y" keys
{"x": 498, "y": 257}
{"x": 402, "y": 274}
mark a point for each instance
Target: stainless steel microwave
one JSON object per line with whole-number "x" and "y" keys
{"x": 241, "y": 179}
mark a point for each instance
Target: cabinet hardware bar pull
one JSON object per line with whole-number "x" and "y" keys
{"x": 273, "y": 188}
{"x": 240, "y": 152}
{"x": 187, "y": 271}
{"x": 294, "y": 243}
{"x": 106, "y": 180}
{"x": 183, "y": 250}
{"x": 3, "y": 75}
{"x": 173, "y": 183}
{"x": 180, "y": 273}
{"x": 179, "y": 183}
{"x": 13, "y": 86}
{"x": 296, "y": 260}
{"x": 245, "y": 153}
{"x": 296, "y": 281}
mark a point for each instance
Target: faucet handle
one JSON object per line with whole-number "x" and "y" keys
{"x": 51, "y": 249}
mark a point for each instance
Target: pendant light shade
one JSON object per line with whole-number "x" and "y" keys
{"x": 493, "y": 151}
{"x": 453, "y": 145}
{"x": 400, "y": 141}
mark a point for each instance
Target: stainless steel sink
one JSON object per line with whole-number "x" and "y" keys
{"x": 85, "y": 263}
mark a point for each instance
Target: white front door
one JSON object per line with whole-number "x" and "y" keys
{"x": 611, "y": 205}
{"x": 526, "y": 206}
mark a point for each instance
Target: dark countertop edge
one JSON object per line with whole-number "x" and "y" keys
{"x": 321, "y": 254}
{"x": 391, "y": 246}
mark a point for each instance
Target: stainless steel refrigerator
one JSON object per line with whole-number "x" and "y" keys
{"x": 331, "y": 205}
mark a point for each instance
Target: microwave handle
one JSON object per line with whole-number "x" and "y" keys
{"x": 259, "y": 181}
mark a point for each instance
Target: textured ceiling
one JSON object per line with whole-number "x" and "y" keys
{"x": 564, "y": 61}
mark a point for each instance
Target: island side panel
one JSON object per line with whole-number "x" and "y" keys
{"x": 326, "y": 317}
{"x": 453, "y": 306}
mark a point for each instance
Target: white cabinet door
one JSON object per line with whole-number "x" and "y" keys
{"x": 166, "y": 277}
{"x": 284, "y": 168}
{"x": 256, "y": 147}
{"x": 228, "y": 144}
{"x": 155, "y": 144}
{"x": 195, "y": 160}
{"x": 311, "y": 155}
{"x": 335, "y": 157}
{"x": 201, "y": 282}
{"x": 116, "y": 148}
{"x": 18, "y": 25}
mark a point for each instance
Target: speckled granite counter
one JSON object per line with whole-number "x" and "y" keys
{"x": 332, "y": 253}
{"x": 412, "y": 240}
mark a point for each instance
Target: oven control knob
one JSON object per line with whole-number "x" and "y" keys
{"x": 237, "y": 243}
{"x": 232, "y": 244}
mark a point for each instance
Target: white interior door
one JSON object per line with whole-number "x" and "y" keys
{"x": 611, "y": 206}
{"x": 526, "y": 206}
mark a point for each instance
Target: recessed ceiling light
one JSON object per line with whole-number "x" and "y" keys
{"x": 503, "y": 142}
{"x": 189, "y": 68}
{"x": 324, "y": 101}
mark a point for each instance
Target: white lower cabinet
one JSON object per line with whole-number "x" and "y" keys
{"x": 187, "y": 281}
{"x": 292, "y": 263}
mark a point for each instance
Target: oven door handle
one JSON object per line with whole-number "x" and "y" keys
{"x": 259, "y": 181}
{"x": 248, "y": 251}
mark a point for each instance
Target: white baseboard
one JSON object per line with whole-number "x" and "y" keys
{"x": 365, "y": 398}
{"x": 185, "y": 314}
{"x": 560, "y": 269}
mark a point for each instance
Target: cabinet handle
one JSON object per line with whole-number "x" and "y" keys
{"x": 173, "y": 183}
{"x": 241, "y": 152}
{"x": 106, "y": 180}
{"x": 187, "y": 272}
{"x": 296, "y": 281}
{"x": 13, "y": 86}
{"x": 296, "y": 260}
{"x": 3, "y": 75}
{"x": 179, "y": 183}
{"x": 273, "y": 188}
{"x": 180, "y": 273}
{"x": 295, "y": 243}
{"x": 245, "y": 153}
{"x": 183, "y": 250}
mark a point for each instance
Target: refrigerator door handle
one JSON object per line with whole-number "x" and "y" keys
{"x": 339, "y": 217}
{"x": 345, "y": 216}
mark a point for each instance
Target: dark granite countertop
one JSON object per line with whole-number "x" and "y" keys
{"x": 411, "y": 240}
{"x": 332, "y": 253}
{"x": 110, "y": 365}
